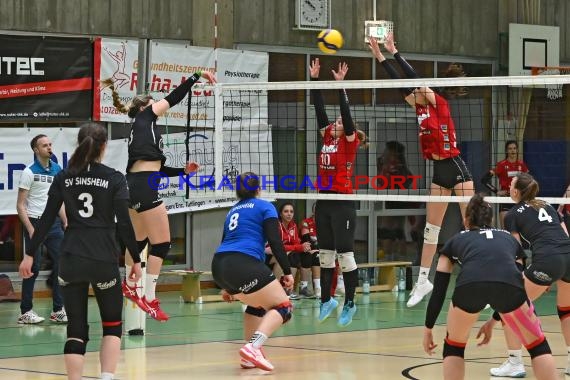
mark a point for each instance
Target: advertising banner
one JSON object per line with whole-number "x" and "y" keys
{"x": 45, "y": 78}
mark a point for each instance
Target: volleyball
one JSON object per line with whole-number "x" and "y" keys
{"x": 329, "y": 41}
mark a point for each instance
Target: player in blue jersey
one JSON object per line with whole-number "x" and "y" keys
{"x": 239, "y": 269}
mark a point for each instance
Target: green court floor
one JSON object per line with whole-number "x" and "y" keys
{"x": 214, "y": 322}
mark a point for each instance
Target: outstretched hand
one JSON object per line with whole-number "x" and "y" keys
{"x": 211, "y": 78}
{"x": 341, "y": 72}
{"x": 315, "y": 68}
{"x": 389, "y": 43}
{"x": 486, "y": 331}
{"x": 375, "y": 48}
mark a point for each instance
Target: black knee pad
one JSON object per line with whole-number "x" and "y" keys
{"x": 539, "y": 349}
{"x": 113, "y": 328}
{"x": 142, "y": 244}
{"x": 563, "y": 313}
{"x": 306, "y": 260}
{"x": 76, "y": 347}
{"x": 451, "y": 348}
{"x": 256, "y": 311}
{"x": 160, "y": 249}
{"x": 285, "y": 309}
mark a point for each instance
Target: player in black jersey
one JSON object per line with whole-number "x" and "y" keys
{"x": 94, "y": 195}
{"x": 541, "y": 226}
{"x": 147, "y": 211}
{"x": 489, "y": 275}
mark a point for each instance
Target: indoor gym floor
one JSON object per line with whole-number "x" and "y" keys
{"x": 201, "y": 341}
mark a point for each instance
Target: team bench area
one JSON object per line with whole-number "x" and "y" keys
{"x": 191, "y": 290}
{"x": 387, "y": 274}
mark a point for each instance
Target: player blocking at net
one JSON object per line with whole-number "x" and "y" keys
{"x": 335, "y": 219}
{"x": 439, "y": 144}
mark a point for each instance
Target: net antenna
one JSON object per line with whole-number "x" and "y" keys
{"x": 553, "y": 91}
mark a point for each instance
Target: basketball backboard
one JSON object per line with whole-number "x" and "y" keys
{"x": 532, "y": 46}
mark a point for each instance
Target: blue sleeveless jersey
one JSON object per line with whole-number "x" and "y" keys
{"x": 243, "y": 228}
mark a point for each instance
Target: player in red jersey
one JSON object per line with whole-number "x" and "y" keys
{"x": 335, "y": 219}
{"x": 505, "y": 171}
{"x": 439, "y": 144}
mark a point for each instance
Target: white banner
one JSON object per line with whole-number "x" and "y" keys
{"x": 243, "y": 107}
{"x": 17, "y": 154}
{"x": 172, "y": 63}
{"x": 247, "y": 150}
{"x": 116, "y": 59}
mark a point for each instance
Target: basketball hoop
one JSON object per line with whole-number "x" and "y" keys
{"x": 553, "y": 91}
{"x": 378, "y": 29}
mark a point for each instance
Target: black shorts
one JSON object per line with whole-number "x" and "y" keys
{"x": 449, "y": 172}
{"x": 76, "y": 273}
{"x": 473, "y": 297}
{"x": 143, "y": 190}
{"x": 546, "y": 271}
{"x": 240, "y": 273}
{"x": 336, "y": 222}
{"x": 309, "y": 259}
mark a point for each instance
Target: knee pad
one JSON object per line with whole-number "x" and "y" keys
{"x": 113, "y": 328}
{"x": 347, "y": 262}
{"x": 285, "y": 309}
{"x": 255, "y": 311}
{"x": 142, "y": 244}
{"x": 327, "y": 258}
{"x": 160, "y": 250}
{"x": 76, "y": 347}
{"x": 539, "y": 348}
{"x": 563, "y": 312}
{"x": 431, "y": 233}
{"x": 451, "y": 348}
{"x": 306, "y": 260}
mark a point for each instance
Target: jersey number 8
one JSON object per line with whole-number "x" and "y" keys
{"x": 232, "y": 225}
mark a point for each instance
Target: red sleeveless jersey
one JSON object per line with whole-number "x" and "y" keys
{"x": 505, "y": 171}
{"x": 437, "y": 131}
{"x": 336, "y": 163}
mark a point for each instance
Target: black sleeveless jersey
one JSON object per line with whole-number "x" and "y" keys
{"x": 541, "y": 228}
{"x": 145, "y": 141}
{"x": 88, "y": 199}
{"x": 485, "y": 255}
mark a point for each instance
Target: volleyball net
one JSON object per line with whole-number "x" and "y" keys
{"x": 271, "y": 129}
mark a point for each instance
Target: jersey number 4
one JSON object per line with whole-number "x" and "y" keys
{"x": 87, "y": 200}
{"x": 543, "y": 216}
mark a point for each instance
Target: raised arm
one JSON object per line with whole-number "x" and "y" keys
{"x": 318, "y": 102}
{"x": 347, "y": 122}
{"x": 176, "y": 96}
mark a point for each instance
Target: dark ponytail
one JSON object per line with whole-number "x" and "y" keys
{"x": 478, "y": 213}
{"x": 91, "y": 140}
{"x": 528, "y": 188}
{"x": 133, "y": 107}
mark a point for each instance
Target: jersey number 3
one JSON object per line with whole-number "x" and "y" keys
{"x": 87, "y": 200}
